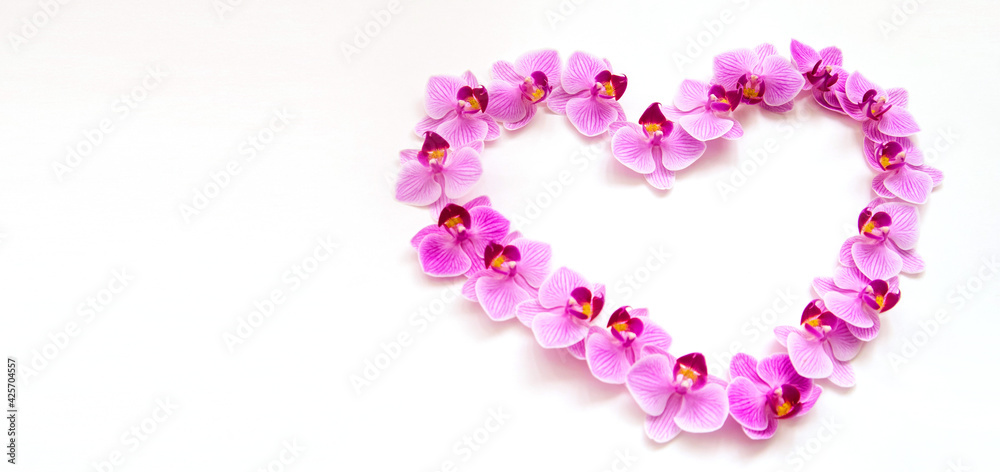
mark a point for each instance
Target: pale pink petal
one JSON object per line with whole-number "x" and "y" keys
{"x": 808, "y": 357}
{"x": 534, "y": 264}
{"x": 705, "y": 126}
{"x": 692, "y": 94}
{"x": 606, "y": 357}
{"x": 632, "y": 148}
{"x": 554, "y": 292}
{"x": 557, "y": 100}
{"x": 905, "y": 227}
{"x": 866, "y": 334}
{"x": 653, "y": 336}
{"x": 832, "y": 56}
{"x": 470, "y": 79}
{"x": 662, "y": 428}
{"x": 843, "y": 345}
{"x": 461, "y": 171}
{"x": 823, "y": 285}
{"x": 764, "y": 50}
{"x": 747, "y": 403}
{"x": 898, "y": 121}
{"x": 878, "y": 185}
{"x": 661, "y": 178}
{"x": 462, "y": 129}
{"x": 590, "y": 115}
{"x": 499, "y": 297}
{"x": 744, "y": 365}
{"x": 781, "y": 334}
{"x": 416, "y": 185}
{"x": 842, "y": 375}
{"x": 527, "y": 310}
{"x": 442, "y": 95}
{"x": 578, "y": 350}
{"x": 529, "y": 113}
{"x": 703, "y": 410}
{"x": 856, "y": 87}
{"x": 492, "y": 128}
{"x": 649, "y": 383}
{"x": 680, "y": 150}
{"x": 469, "y": 287}
{"x": 783, "y": 81}
{"x": 729, "y": 66}
{"x": 545, "y": 61}
{"x": 912, "y": 262}
{"x": 407, "y": 155}
{"x": 736, "y": 132}
{"x": 911, "y": 185}
{"x": 581, "y": 72}
{"x": 766, "y": 433}
{"x": 557, "y": 330}
{"x": 440, "y": 256}
{"x": 507, "y": 103}
{"x": 848, "y": 307}
{"x": 876, "y": 260}
{"x": 898, "y": 96}
{"x": 430, "y": 124}
{"x": 504, "y": 70}
{"x": 804, "y": 57}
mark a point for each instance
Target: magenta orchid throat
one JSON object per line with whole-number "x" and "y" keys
{"x": 511, "y": 276}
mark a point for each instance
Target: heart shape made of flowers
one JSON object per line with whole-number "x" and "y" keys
{"x": 510, "y": 276}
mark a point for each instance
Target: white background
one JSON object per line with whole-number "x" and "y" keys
{"x": 328, "y": 174}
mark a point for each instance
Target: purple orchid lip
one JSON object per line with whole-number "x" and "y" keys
{"x": 891, "y": 155}
{"x": 653, "y": 121}
{"x": 874, "y": 226}
{"x": 690, "y": 372}
{"x": 784, "y": 401}
{"x": 721, "y": 101}
{"x": 823, "y": 79}
{"x": 434, "y": 151}
{"x": 612, "y": 86}
{"x": 536, "y": 87}
{"x": 877, "y": 296}
{"x": 456, "y": 220}
{"x": 624, "y": 327}
{"x": 474, "y": 99}
{"x": 753, "y": 88}
{"x": 874, "y": 108}
{"x": 816, "y": 320}
{"x": 584, "y": 305}
{"x": 502, "y": 259}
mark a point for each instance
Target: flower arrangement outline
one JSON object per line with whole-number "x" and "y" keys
{"x": 510, "y": 276}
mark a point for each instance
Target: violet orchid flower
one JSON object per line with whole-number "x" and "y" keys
{"x": 823, "y": 72}
{"x": 518, "y": 88}
{"x": 858, "y": 300}
{"x": 456, "y": 109}
{"x": 705, "y": 110}
{"x": 763, "y": 76}
{"x": 900, "y": 168}
{"x": 589, "y": 94}
{"x": 884, "y": 248}
{"x": 677, "y": 395}
{"x": 876, "y": 108}
{"x": 761, "y": 393}
{"x": 611, "y": 351}
{"x": 654, "y": 148}
{"x": 821, "y": 346}
{"x": 562, "y": 314}
{"x": 434, "y": 171}
{"x": 460, "y": 237}
{"x": 510, "y": 274}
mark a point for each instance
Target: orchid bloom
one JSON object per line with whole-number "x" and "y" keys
{"x": 677, "y": 395}
{"x": 589, "y": 94}
{"x": 435, "y": 169}
{"x": 858, "y": 300}
{"x": 518, "y": 88}
{"x": 761, "y": 393}
{"x": 761, "y": 74}
{"x": 611, "y": 351}
{"x": 884, "y": 248}
{"x": 823, "y": 72}
{"x": 654, "y": 147}
{"x": 876, "y": 108}
{"x": 511, "y": 273}
{"x": 900, "y": 168}
{"x": 566, "y": 307}
{"x": 821, "y": 346}
{"x": 456, "y": 109}
{"x": 460, "y": 237}
{"x": 705, "y": 110}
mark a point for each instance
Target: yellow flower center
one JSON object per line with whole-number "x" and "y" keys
{"x": 880, "y": 300}
{"x": 609, "y": 89}
{"x": 784, "y": 408}
{"x": 453, "y": 221}
{"x": 750, "y": 92}
{"x": 498, "y": 262}
{"x": 869, "y": 227}
{"x": 652, "y": 127}
{"x": 587, "y": 309}
{"x": 435, "y": 155}
{"x": 473, "y": 103}
{"x": 620, "y": 327}
{"x": 688, "y": 373}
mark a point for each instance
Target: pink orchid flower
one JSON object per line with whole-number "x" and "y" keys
{"x": 589, "y": 94}
{"x": 611, "y": 351}
{"x": 823, "y": 72}
{"x": 460, "y": 237}
{"x": 761, "y": 74}
{"x": 677, "y": 395}
{"x": 510, "y": 274}
{"x": 900, "y": 168}
{"x": 884, "y": 248}
{"x": 858, "y": 300}
{"x": 876, "y": 108}
{"x": 518, "y": 88}
{"x": 821, "y": 346}
{"x": 565, "y": 308}
{"x": 654, "y": 148}
{"x": 456, "y": 109}
{"x": 705, "y": 110}
{"x": 435, "y": 170}
{"x": 762, "y": 393}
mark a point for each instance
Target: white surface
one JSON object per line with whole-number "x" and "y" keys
{"x": 327, "y": 174}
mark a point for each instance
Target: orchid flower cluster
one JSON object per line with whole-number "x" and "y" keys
{"x": 511, "y": 276}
